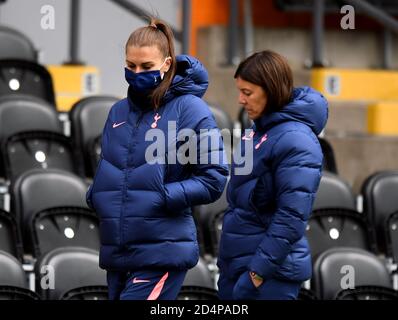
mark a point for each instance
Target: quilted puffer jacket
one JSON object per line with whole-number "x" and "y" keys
{"x": 145, "y": 207}
{"x": 264, "y": 226}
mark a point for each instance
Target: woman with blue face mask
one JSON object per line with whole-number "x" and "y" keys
{"x": 143, "y": 195}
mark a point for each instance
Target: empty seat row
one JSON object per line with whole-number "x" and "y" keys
{"x": 73, "y": 273}
{"x": 48, "y": 210}
{"x": 335, "y": 220}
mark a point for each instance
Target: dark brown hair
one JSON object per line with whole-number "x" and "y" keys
{"x": 157, "y": 33}
{"x": 272, "y": 72}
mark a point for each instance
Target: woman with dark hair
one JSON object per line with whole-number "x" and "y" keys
{"x": 148, "y": 235}
{"x": 263, "y": 252}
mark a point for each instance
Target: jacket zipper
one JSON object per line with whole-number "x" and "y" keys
{"x": 126, "y": 180}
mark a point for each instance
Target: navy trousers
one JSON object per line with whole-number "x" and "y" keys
{"x": 243, "y": 288}
{"x": 145, "y": 285}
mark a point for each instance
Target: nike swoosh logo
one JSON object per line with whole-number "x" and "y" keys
{"x": 115, "y": 125}
{"x": 135, "y": 280}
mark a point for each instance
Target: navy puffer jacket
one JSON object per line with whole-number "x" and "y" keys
{"x": 145, "y": 208}
{"x": 264, "y": 226}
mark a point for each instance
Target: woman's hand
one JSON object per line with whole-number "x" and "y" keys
{"x": 256, "y": 279}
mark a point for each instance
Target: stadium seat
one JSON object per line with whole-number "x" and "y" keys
{"x": 37, "y": 150}
{"x": 16, "y": 293}
{"x": 392, "y": 236}
{"x": 21, "y": 113}
{"x": 62, "y": 227}
{"x": 333, "y": 192}
{"x": 12, "y": 273}
{"x": 330, "y": 228}
{"x": 306, "y": 295}
{"x": 88, "y": 117}
{"x": 87, "y": 293}
{"x": 380, "y": 200}
{"x": 329, "y": 159}
{"x": 15, "y": 45}
{"x": 10, "y": 238}
{"x": 368, "y": 293}
{"x": 25, "y": 77}
{"x": 94, "y": 154}
{"x": 38, "y": 190}
{"x": 336, "y": 266}
{"x": 209, "y": 219}
{"x": 72, "y": 267}
{"x": 198, "y": 284}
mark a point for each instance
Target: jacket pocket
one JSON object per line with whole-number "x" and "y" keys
{"x": 244, "y": 288}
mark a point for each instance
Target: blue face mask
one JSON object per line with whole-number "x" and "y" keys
{"x": 144, "y": 81}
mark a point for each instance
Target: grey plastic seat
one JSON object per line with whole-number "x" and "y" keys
{"x": 19, "y": 113}
{"x": 88, "y": 117}
{"x": 38, "y": 190}
{"x": 25, "y": 77}
{"x": 368, "y": 293}
{"x": 347, "y": 266}
{"x": 87, "y": 293}
{"x": 333, "y": 192}
{"x": 73, "y": 268}
{"x": 62, "y": 227}
{"x": 380, "y": 200}
{"x": 10, "y": 238}
{"x": 329, "y": 159}
{"x": 209, "y": 218}
{"x": 392, "y": 236}
{"x": 330, "y": 228}
{"x": 12, "y": 273}
{"x": 15, "y": 45}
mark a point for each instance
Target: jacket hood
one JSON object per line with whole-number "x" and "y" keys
{"x": 191, "y": 78}
{"x": 307, "y": 106}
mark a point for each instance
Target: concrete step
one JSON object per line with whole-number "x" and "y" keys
{"x": 347, "y": 118}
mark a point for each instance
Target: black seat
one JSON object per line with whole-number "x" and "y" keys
{"x": 94, "y": 154}
{"x": 37, "y": 150}
{"x": 306, "y": 295}
{"x": 329, "y": 159}
{"x": 15, "y": 45}
{"x": 21, "y": 113}
{"x": 88, "y": 117}
{"x": 26, "y": 77}
{"x": 198, "y": 284}
{"x": 73, "y": 268}
{"x": 12, "y": 273}
{"x": 329, "y": 228}
{"x": 368, "y": 293}
{"x": 380, "y": 200}
{"x": 392, "y": 236}
{"x": 87, "y": 293}
{"x": 38, "y": 190}
{"x": 333, "y": 192}
{"x": 10, "y": 238}
{"x": 333, "y": 265}
{"x": 16, "y": 293}
{"x": 209, "y": 218}
{"x": 62, "y": 227}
